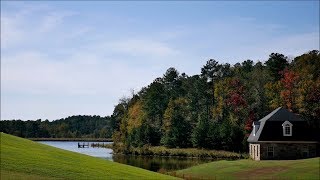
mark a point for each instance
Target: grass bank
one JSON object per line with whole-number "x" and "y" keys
{"x": 245, "y": 169}
{"x": 179, "y": 152}
{"x": 25, "y": 159}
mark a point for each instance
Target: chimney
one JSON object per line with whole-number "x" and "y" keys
{"x": 256, "y": 125}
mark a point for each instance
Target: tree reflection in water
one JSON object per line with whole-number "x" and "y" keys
{"x": 157, "y": 163}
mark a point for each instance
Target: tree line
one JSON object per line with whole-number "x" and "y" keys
{"x": 215, "y": 109}
{"x": 212, "y": 110}
{"x": 70, "y": 127}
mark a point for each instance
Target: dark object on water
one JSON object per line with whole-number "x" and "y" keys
{"x": 84, "y": 145}
{"x": 99, "y": 145}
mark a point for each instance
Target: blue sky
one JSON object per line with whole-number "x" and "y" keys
{"x": 79, "y": 57}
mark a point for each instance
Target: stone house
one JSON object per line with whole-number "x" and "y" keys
{"x": 282, "y": 135}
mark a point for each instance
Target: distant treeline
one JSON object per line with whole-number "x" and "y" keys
{"x": 216, "y": 109}
{"x": 70, "y": 127}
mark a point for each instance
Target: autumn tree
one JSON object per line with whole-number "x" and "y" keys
{"x": 289, "y": 92}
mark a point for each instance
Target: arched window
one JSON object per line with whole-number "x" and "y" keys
{"x": 287, "y": 128}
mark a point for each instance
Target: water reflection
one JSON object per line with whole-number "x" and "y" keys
{"x": 157, "y": 163}
{"x": 153, "y": 163}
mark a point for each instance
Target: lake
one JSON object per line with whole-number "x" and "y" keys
{"x": 105, "y": 153}
{"x": 153, "y": 163}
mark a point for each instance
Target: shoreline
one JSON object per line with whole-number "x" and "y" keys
{"x": 72, "y": 139}
{"x": 179, "y": 157}
{"x": 162, "y": 151}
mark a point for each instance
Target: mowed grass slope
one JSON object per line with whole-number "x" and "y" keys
{"x": 25, "y": 159}
{"x": 249, "y": 169}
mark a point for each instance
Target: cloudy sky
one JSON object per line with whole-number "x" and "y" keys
{"x": 77, "y": 57}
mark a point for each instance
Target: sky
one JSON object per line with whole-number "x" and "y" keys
{"x": 67, "y": 58}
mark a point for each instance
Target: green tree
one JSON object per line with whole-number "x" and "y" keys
{"x": 200, "y": 136}
{"x": 275, "y": 64}
{"x": 155, "y": 101}
{"x": 176, "y": 126}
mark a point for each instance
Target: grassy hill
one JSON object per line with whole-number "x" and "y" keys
{"x": 25, "y": 159}
{"x": 244, "y": 169}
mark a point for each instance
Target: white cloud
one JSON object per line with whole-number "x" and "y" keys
{"x": 237, "y": 39}
{"x": 289, "y": 45}
{"x": 11, "y": 32}
{"x": 25, "y": 28}
{"x": 73, "y": 80}
{"x": 53, "y": 20}
{"x": 139, "y": 47}
{"x": 81, "y": 74}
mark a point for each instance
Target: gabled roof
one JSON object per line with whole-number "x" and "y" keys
{"x": 273, "y": 130}
{"x": 281, "y": 114}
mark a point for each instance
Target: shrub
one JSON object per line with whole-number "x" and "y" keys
{"x": 178, "y": 152}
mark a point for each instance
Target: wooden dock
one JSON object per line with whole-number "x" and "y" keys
{"x": 99, "y": 145}
{"x": 83, "y": 145}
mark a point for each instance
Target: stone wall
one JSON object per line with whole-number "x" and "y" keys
{"x": 288, "y": 150}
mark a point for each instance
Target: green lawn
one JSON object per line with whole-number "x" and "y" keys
{"x": 244, "y": 169}
{"x": 25, "y": 159}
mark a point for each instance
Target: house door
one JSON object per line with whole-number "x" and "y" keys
{"x": 257, "y": 157}
{"x": 256, "y": 152}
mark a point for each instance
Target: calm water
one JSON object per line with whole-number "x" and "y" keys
{"x": 157, "y": 163}
{"x": 73, "y": 146}
{"x": 153, "y": 163}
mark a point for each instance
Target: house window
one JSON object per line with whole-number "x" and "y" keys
{"x": 270, "y": 151}
{"x": 287, "y": 128}
{"x": 312, "y": 151}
